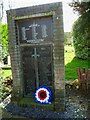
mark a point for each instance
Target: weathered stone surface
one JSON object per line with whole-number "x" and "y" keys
{"x": 15, "y": 16}
{"x": 60, "y": 93}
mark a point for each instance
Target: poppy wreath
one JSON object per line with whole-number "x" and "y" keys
{"x": 43, "y": 95}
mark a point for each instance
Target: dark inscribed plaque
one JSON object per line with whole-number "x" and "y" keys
{"x": 45, "y": 65}
{"x": 35, "y": 30}
{"x": 28, "y": 70}
{"x": 37, "y": 67}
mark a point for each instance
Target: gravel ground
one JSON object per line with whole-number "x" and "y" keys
{"x": 77, "y": 107}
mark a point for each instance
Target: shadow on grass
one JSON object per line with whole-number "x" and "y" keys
{"x": 71, "y": 68}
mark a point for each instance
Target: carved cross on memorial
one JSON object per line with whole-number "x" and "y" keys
{"x": 35, "y": 56}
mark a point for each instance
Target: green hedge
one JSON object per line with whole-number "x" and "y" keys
{"x": 81, "y": 36}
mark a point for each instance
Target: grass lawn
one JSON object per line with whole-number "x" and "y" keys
{"x": 72, "y": 63}
{"x": 5, "y": 73}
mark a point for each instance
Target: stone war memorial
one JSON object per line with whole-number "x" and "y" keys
{"x": 36, "y": 44}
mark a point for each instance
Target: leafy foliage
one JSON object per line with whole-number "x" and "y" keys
{"x": 6, "y": 87}
{"x": 81, "y": 29}
{"x": 81, "y": 37}
{"x": 4, "y": 41}
{"x": 80, "y": 7}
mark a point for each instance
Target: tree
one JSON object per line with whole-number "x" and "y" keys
{"x": 81, "y": 30}
{"x": 4, "y": 41}
{"x": 81, "y": 36}
{"x": 80, "y": 7}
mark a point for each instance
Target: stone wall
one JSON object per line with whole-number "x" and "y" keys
{"x": 54, "y": 10}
